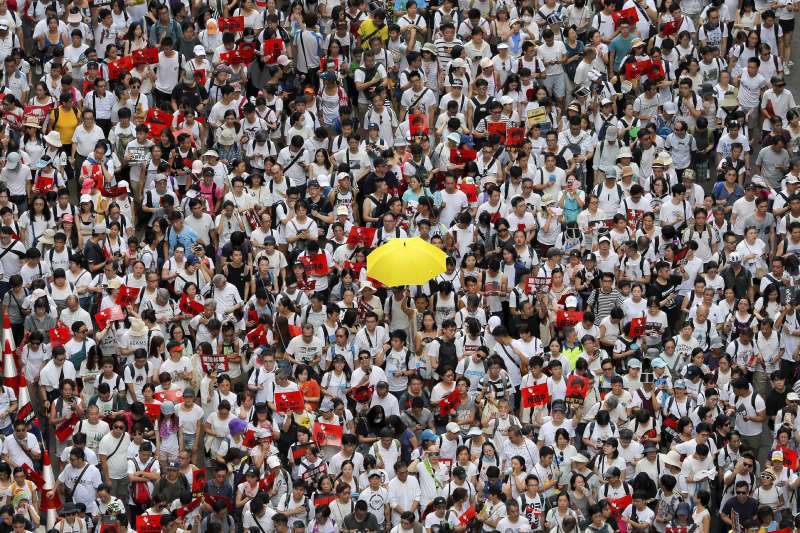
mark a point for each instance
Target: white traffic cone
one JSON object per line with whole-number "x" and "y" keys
{"x": 49, "y": 505}
{"x": 10, "y": 374}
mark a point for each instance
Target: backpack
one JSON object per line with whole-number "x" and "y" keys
{"x": 140, "y": 491}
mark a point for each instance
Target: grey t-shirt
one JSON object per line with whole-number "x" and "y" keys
{"x": 774, "y": 165}
{"x": 762, "y": 226}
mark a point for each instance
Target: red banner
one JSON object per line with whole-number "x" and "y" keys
{"x": 361, "y": 236}
{"x": 306, "y": 285}
{"x": 568, "y": 318}
{"x": 670, "y": 28}
{"x": 637, "y": 327}
{"x": 515, "y": 137}
{"x": 316, "y": 265}
{"x": 272, "y": 49}
{"x": 450, "y": 403}
{"x": 40, "y": 112}
{"x": 210, "y": 500}
{"x": 289, "y": 401}
{"x": 113, "y": 192}
{"x": 328, "y": 434}
{"x": 67, "y": 427}
{"x": 418, "y": 124}
{"x": 467, "y": 515}
{"x": 145, "y": 56}
{"x": 231, "y": 24}
{"x": 210, "y": 362}
{"x": 199, "y": 481}
{"x": 153, "y": 410}
{"x": 498, "y": 128}
{"x": 119, "y": 67}
{"x": 189, "y": 306}
{"x": 535, "y": 395}
{"x": 471, "y": 190}
{"x": 59, "y": 336}
{"x": 44, "y": 184}
{"x": 637, "y": 69}
{"x": 126, "y": 296}
{"x": 173, "y": 395}
{"x": 148, "y": 523}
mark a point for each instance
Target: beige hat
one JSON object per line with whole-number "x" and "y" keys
{"x": 47, "y": 236}
{"x": 673, "y": 458}
{"x": 580, "y": 458}
{"x": 211, "y": 153}
{"x": 226, "y": 137}
{"x": 53, "y": 138}
{"x": 138, "y": 327}
{"x": 486, "y": 62}
{"x": 625, "y": 152}
{"x": 664, "y": 159}
{"x": 32, "y": 122}
{"x": 114, "y": 283}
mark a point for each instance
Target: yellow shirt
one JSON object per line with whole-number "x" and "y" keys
{"x": 68, "y": 120}
{"x": 366, "y": 31}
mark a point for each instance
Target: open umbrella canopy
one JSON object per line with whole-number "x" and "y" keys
{"x": 409, "y": 261}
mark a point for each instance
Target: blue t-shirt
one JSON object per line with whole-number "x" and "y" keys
{"x": 186, "y": 238}
{"x": 621, "y": 47}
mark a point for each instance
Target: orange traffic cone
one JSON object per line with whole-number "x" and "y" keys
{"x": 49, "y": 505}
{"x": 10, "y": 374}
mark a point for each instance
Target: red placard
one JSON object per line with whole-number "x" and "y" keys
{"x": 210, "y": 362}
{"x": 119, "y": 67}
{"x": 289, "y": 401}
{"x": 568, "y": 318}
{"x": 154, "y": 130}
{"x": 157, "y": 116}
{"x": 44, "y": 184}
{"x": 113, "y": 192}
{"x": 65, "y": 430}
{"x": 272, "y": 49}
{"x": 471, "y": 190}
{"x": 190, "y": 306}
{"x": 790, "y": 459}
{"x": 257, "y": 336}
{"x": 515, "y": 137}
{"x": 249, "y": 439}
{"x": 200, "y": 76}
{"x": 670, "y": 28}
{"x": 535, "y": 395}
{"x": 628, "y": 15}
{"x": 450, "y": 403}
{"x": 199, "y": 480}
{"x": 145, "y": 56}
{"x": 34, "y": 476}
{"x": 328, "y": 434}
{"x": 656, "y": 71}
{"x": 153, "y": 410}
{"x": 148, "y": 523}
{"x": 316, "y": 265}
{"x": 577, "y": 388}
{"x": 361, "y": 236}
{"x": 355, "y": 266}
{"x": 232, "y": 24}
{"x": 498, "y": 128}
{"x": 637, "y": 327}
{"x": 323, "y": 500}
{"x": 467, "y": 515}
{"x": 619, "y": 504}
{"x": 635, "y": 70}
{"x": 362, "y": 393}
{"x": 306, "y": 285}
{"x": 126, "y": 295}
{"x": 240, "y": 55}
{"x": 418, "y": 124}
{"x": 173, "y": 395}
{"x": 294, "y": 331}
{"x": 298, "y": 452}
{"x": 59, "y": 336}
{"x": 460, "y": 156}
{"x": 323, "y": 63}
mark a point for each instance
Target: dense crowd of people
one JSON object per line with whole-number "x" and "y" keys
{"x": 192, "y": 339}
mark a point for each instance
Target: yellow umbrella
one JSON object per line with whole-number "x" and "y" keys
{"x": 405, "y": 262}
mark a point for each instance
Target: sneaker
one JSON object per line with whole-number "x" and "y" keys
{"x": 786, "y": 70}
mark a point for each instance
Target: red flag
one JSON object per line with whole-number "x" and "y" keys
{"x": 535, "y": 395}
{"x": 64, "y": 431}
{"x": 265, "y": 483}
{"x": 306, "y": 285}
{"x": 231, "y": 24}
{"x": 156, "y": 116}
{"x": 294, "y": 331}
{"x": 656, "y": 71}
{"x": 145, "y": 56}
{"x": 126, "y": 296}
{"x": 120, "y": 66}
{"x": 102, "y": 318}
{"x": 154, "y": 130}
{"x": 272, "y": 49}
{"x": 628, "y": 15}
{"x": 498, "y": 128}
{"x": 790, "y": 459}
{"x": 361, "y": 236}
{"x": 467, "y": 515}
{"x": 323, "y": 500}
{"x": 450, "y": 403}
{"x": 210, "y": 500}
{"x": 148, "y": 523}
{"x": 619, "y": 504}
{"x": 324, "y": 60}
{"x": 460, "y": 156}
{"x": 199, "y": 480}
{"x": 471, "y": 190}
{"x": 289, "y": 401}
{"x": 173, "y": 395}
{"x": 418, "y": 124}
{"x": 327, "y": 434}
{"x": 316, "y": 265}
{"x": 210, "y": 362}
{"x": 299, "y": 451}
{"x": 362, "y": 393}
{"x": 568, "y": 318}
{"x": 113, "y": 192}
{"x": 355, "y": 266}
{"x": 257, "y": 336}
{"x": 153, "y": 410}
{"x": 670, "y": 28}
{"x": 239, "y": 55}
{"x": 34, "y": 476}
{"x": 637, "y": 327}
{"x": 59, "y": 336}
{"x": 189, "y": 306}
{"x": 515, "y": 136}
{"x": 44, "y": 184}
{"x": 249, "y": 439}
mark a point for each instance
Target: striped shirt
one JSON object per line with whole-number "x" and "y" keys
{"x": 443, "y": 49}
{"x": 601, "y": 303}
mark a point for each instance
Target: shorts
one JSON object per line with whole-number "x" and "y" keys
{"x": 556, "y": 85}
{"x": 786, "y": 25}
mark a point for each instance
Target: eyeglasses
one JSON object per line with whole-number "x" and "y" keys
{"x": 119, "y": 427}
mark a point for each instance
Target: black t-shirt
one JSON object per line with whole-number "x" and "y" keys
{"x": 661, "y": 292}
{"x": 322, "y": 206}
{"x": 746, "y": 510}
{"x": 370, "y": 523}
{"x": 194, "y": 94}
{"x": 776, "y": 401}
{"x": 93, "y": 253}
